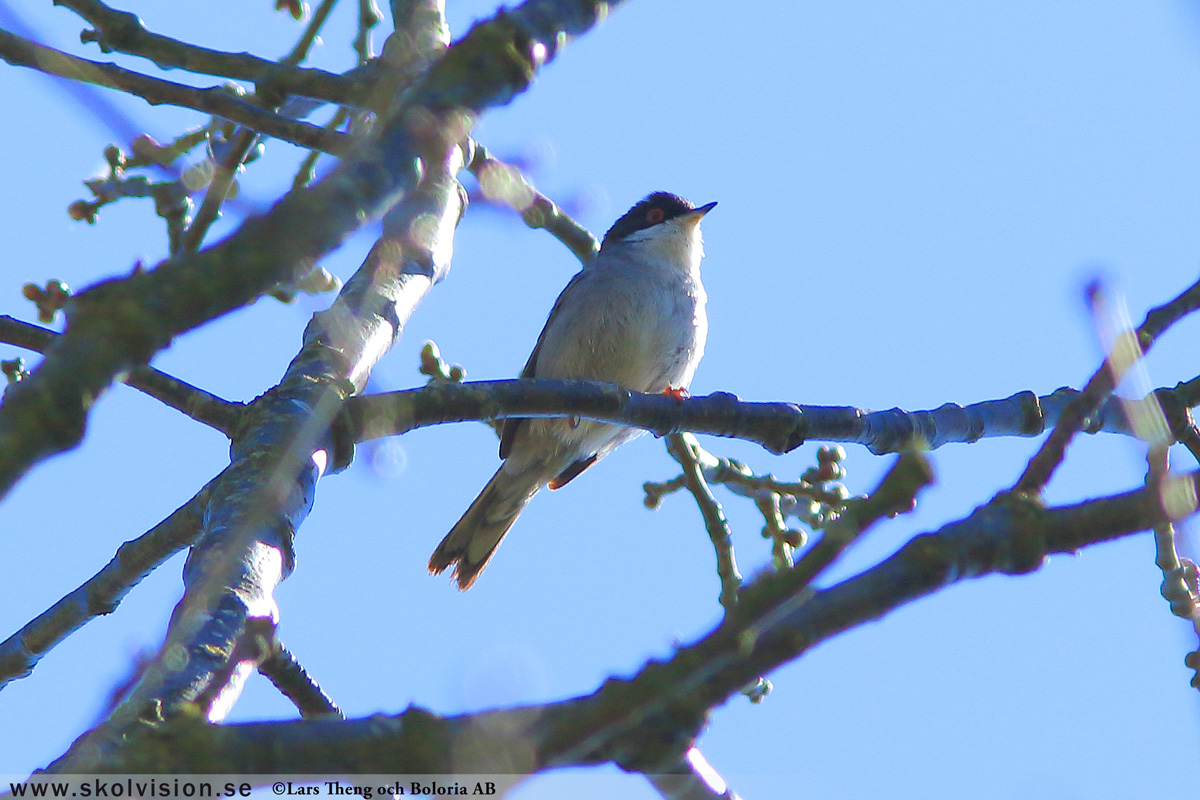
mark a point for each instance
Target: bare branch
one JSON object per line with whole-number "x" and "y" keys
{"x": 896, "y": 494}
{"x": 1042, "y": 466}
{"x": 501, "y": 182}
{"x": 217, "y": 100}
{"x": 279, "y": 453}
{"x": 218, "y": 188}
{"x": 101, "y": 593}
{"x": 123, "y": 32}
{"x": 682, "y": 446}
{"x": 307, "y": 169}
{"x": 198, "y": 404}
{"x": 641, "y": 722}
{"x": 283, "y": 670}
{"x": 814, "y": 500}
{"x": 691, "y": 778}
{"x": 235, "y": 155}
{"x": 778, "y": 427}
{"x": 368, "y": 18}
{"x": 117, "y": 325}
{"x": 300, "y": 52}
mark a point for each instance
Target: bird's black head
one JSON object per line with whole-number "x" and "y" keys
{"x": 656, "y": 208}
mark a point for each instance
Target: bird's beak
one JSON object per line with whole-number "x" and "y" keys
{"x": 693, "y": 217}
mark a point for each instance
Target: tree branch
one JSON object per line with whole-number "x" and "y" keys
{"x": 103, "y": 592}
{"x": 1042, "y": 466}
{"x": 287, "y": 675}
{"x": 640, "y": 722}
{"x": 500, "y": 182}
{"x": 682, "y": 447}
{"x": 217, "y": 100}
{"x": 123, "y": 32}
{"x": 279, "y": 452}
{"x": 202, "y": 406}
{"x": 119, "y": 324}
{"x": 778, "y": 427}
{"x": 227, "y": 166}
{"x": 691, "y": 778}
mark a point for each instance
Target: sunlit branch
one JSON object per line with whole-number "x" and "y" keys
{"x": 691, "y": 777}
{"x": 279, "y": 452}
{"x": 505, "y": 184}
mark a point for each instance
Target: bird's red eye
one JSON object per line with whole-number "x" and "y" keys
{"x": 654, "y": 216}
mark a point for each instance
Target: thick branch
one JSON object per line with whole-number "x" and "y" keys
{"x": 637, "y": 722}
{"x": 267, "y": 492}
{"x": 279, "y": 452}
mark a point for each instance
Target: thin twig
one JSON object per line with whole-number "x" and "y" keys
{"x": 103, "y": 592}
{"x": 506, "y": 184}
{"x": 741, "y": 480}
{"x": 311, "y": 31}
{"x": 123, "y": 32}
{"x": 218, "y": 189}
{"x": 682, "y": 447}
{"x": 243, "y": 142}
{"x": 287, "y": 675}
{"x": 306, "y": 171}
{"x": 815, "y": 500}
{"x": 202, "y": 406}
{"x": 897, "y": 493}
{"x": 1043, "y": 464}
{"x": 219, "y": 101}
{"x": 368, "y": 18}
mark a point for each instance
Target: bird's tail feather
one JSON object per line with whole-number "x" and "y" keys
{"x": 469, "y": 545}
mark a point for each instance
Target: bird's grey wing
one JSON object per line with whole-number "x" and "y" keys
{"x": 513, "y": 424}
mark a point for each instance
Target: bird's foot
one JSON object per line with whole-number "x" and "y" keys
{"x": 677, "y": 392}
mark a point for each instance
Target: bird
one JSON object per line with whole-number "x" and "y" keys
{"x": 633, "y": 316}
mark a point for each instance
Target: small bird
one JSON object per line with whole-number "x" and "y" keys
{"x": 635, "y": 317}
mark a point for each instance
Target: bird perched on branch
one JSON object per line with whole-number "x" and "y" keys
{"x": 634, "y": 316}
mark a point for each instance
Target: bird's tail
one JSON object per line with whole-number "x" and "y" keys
{"x": 471, "y": 542}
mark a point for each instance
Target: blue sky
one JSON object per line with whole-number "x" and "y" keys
{"x": 912, "y": 196}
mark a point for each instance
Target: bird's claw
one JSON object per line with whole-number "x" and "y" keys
{"x": 677, "y": 392}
